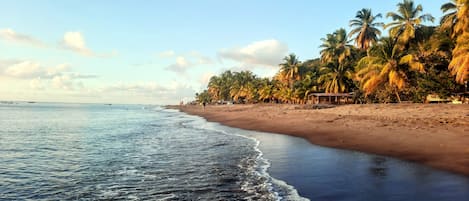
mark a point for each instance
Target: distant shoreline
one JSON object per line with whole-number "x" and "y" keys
{"x": 436, "y": 135}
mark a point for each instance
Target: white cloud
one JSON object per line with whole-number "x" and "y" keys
{"x": 31, "y": 69}
{"x": 181, "y": 65}
{"x": 166, "y": 54}
{"x": 57, "y": 70}
{"x": 187, "y": 61}
{"x": 12, "y": 36}
{"x": 75, "y": 41}
{"x": 261, "y": 53}
{"x": 6, "y": 63}
{"x": 59, "y": 77}
{"x": 76, "y": 75}
{"x": 24, "y": 69}
{"x": 36, "y": 84}
{"x": 65, "y": 82}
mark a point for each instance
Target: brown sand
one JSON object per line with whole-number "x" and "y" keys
{"x": 432, "y": 134}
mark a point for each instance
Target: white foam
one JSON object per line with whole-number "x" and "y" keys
{"x": 291, "y": 193}
{"x": 108, "y": 194}
{"x": 263, "y": 164}
{"x": 132, "y": 197}
{"x": 169, "y": 197}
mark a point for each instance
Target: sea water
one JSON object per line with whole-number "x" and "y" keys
{"x": 126, "y": 152}
{"x": 51, "y": 151}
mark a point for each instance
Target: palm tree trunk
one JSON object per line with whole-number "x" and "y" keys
{"x": 398, "y": 97}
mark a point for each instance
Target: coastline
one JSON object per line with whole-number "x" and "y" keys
{"x": 433, "y": 135}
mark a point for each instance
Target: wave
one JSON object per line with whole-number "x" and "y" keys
{"x": 278, "y": 189}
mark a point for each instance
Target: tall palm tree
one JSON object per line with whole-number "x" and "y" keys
{"x": 448, "y": 20}
{"x": 386, "y": 65}
{"x": 406, "y": 21}
{"x": 215, "y": 87}
{"x": 365, "y": 28}
{"x": 335, "y": 47}
{"x": 290, "y": 69}
{"x": 459, "y": 65}
{"x": 462, "y": 24}
{"x": 335, "y": 54}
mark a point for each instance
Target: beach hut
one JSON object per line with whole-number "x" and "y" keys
{"x": 330, "y": 98}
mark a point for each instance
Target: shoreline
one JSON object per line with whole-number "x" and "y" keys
{"x": 433, "y": 135}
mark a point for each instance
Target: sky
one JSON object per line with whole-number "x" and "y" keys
{"x": 158, "y": 52}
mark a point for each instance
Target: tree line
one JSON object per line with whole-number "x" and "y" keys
{"x": 409, "y": 63}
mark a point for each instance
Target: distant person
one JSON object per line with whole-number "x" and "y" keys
{"x": 203, "y": 104}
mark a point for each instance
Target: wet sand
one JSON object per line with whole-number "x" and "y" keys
{"x": 436, "y": 135}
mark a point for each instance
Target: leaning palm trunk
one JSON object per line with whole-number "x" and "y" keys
{"x": 397, "y": 96}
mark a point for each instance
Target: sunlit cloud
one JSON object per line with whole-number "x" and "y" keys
{"x": 267, "y": 53}
{"x": 37, "y": 84}
{"x": 75, "y": 41}
{"x": 25, "y": 69}
{"x": 12, "y": 36}
{"x": 72, "y": 41}
{"x": 180, "y": 66}
{"x": 184, "y": 62}
{"x": 66, "y": 82}
{"x": 30, "y": 69}
{"x": 42, "y": 78}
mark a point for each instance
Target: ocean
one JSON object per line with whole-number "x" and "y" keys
{"x": 52, "y": 151}
{"x": 125, "y": 152}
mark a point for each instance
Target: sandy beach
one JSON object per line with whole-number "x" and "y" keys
{"x": 436, "y": 135}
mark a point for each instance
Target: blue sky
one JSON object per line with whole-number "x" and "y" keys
{"x": 157, "y": 52}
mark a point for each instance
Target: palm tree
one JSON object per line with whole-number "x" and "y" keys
{"x": 406, "y": 21}
{"x": 462, "y": 21}
{"x": 386, "y": 65}
{"x": 335, "y": 47}
{"x": 335, "y": 55}
{"x": 243, "y": 86}
{"x": 459, "y": 65}
{"x": 335, "y": 78}
{"x": 203, "y": 97}
{"x": 306, "y": 86}
{"x": 266, "y": 90}
{"x": 215, "y": 87}
{"x": 289, "y": 70}
{"x": 226, "y": 79}
{"x": 365, "y": 28}
{"x": 448, "y": 21}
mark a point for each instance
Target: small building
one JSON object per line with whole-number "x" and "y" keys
{"x": 330, "y": 98}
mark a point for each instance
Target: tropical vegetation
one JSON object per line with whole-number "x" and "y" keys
{"x": 405, "y": 59}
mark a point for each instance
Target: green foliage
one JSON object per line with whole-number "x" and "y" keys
{"x": 414, "y": 61}
{"x": 406, "y": 21}
{"x": 203, "y": 97}
{"x": 365, "y": 28}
